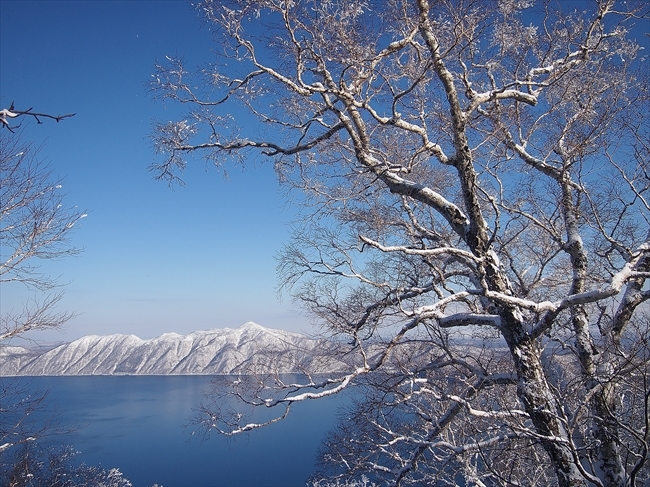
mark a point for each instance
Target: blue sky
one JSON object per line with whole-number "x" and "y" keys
{"x": 155, "y": 260}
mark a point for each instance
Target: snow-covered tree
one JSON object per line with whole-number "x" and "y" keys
{"x": 34, "y": 224}
{"x": 34, "y": 466}
{"x": 474, "y": 176}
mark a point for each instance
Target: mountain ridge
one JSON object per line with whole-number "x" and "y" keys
{"x": 250, "y": 348}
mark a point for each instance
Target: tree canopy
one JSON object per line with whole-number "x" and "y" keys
{"x": 475, "y": 182}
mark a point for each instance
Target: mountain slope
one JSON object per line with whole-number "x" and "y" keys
{"x": 249, "y": 348}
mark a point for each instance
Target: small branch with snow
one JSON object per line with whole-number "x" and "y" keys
{"x": 465, "y": 255}
{"x": 470, "y": 319}
{"x": 7, "y": 114}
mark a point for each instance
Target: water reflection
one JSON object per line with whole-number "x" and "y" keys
{"x": 137, "y": 423}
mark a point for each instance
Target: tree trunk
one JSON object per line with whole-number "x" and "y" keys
{"x": 535, "y": 394}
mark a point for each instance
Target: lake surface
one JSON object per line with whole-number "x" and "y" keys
{"x": 136, "y": 424}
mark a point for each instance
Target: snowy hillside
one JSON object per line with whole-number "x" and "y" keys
{"x": 248, "y": 348}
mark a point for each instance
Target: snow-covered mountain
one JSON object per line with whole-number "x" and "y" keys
{"x": 249, "y": 348}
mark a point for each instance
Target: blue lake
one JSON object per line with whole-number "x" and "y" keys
{"x": 137, "y": 424}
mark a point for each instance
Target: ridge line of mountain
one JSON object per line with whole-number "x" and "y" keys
{"x": 249, "y": 348}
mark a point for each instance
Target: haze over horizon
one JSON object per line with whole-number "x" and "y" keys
{"x": 155, "y": 259}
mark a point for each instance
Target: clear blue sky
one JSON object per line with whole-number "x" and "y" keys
{"x": 155, "y": 260}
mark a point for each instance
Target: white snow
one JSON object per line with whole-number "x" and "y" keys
{"x": 217, "y": 351}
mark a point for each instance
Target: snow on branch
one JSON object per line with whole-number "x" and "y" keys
{"x": 487, "y": 414}
{"x": 345, "y": 382}
{"x": 470, "y": 319}
{"x": 465, "y": 255}
{"x": 252, "y": 426}
{"x": 502, "y": 94}
{"x": 9, "y": 114}
{"x": 435, "y": 309}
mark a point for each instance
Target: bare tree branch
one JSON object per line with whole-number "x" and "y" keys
{"x": 475, "y": 232}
